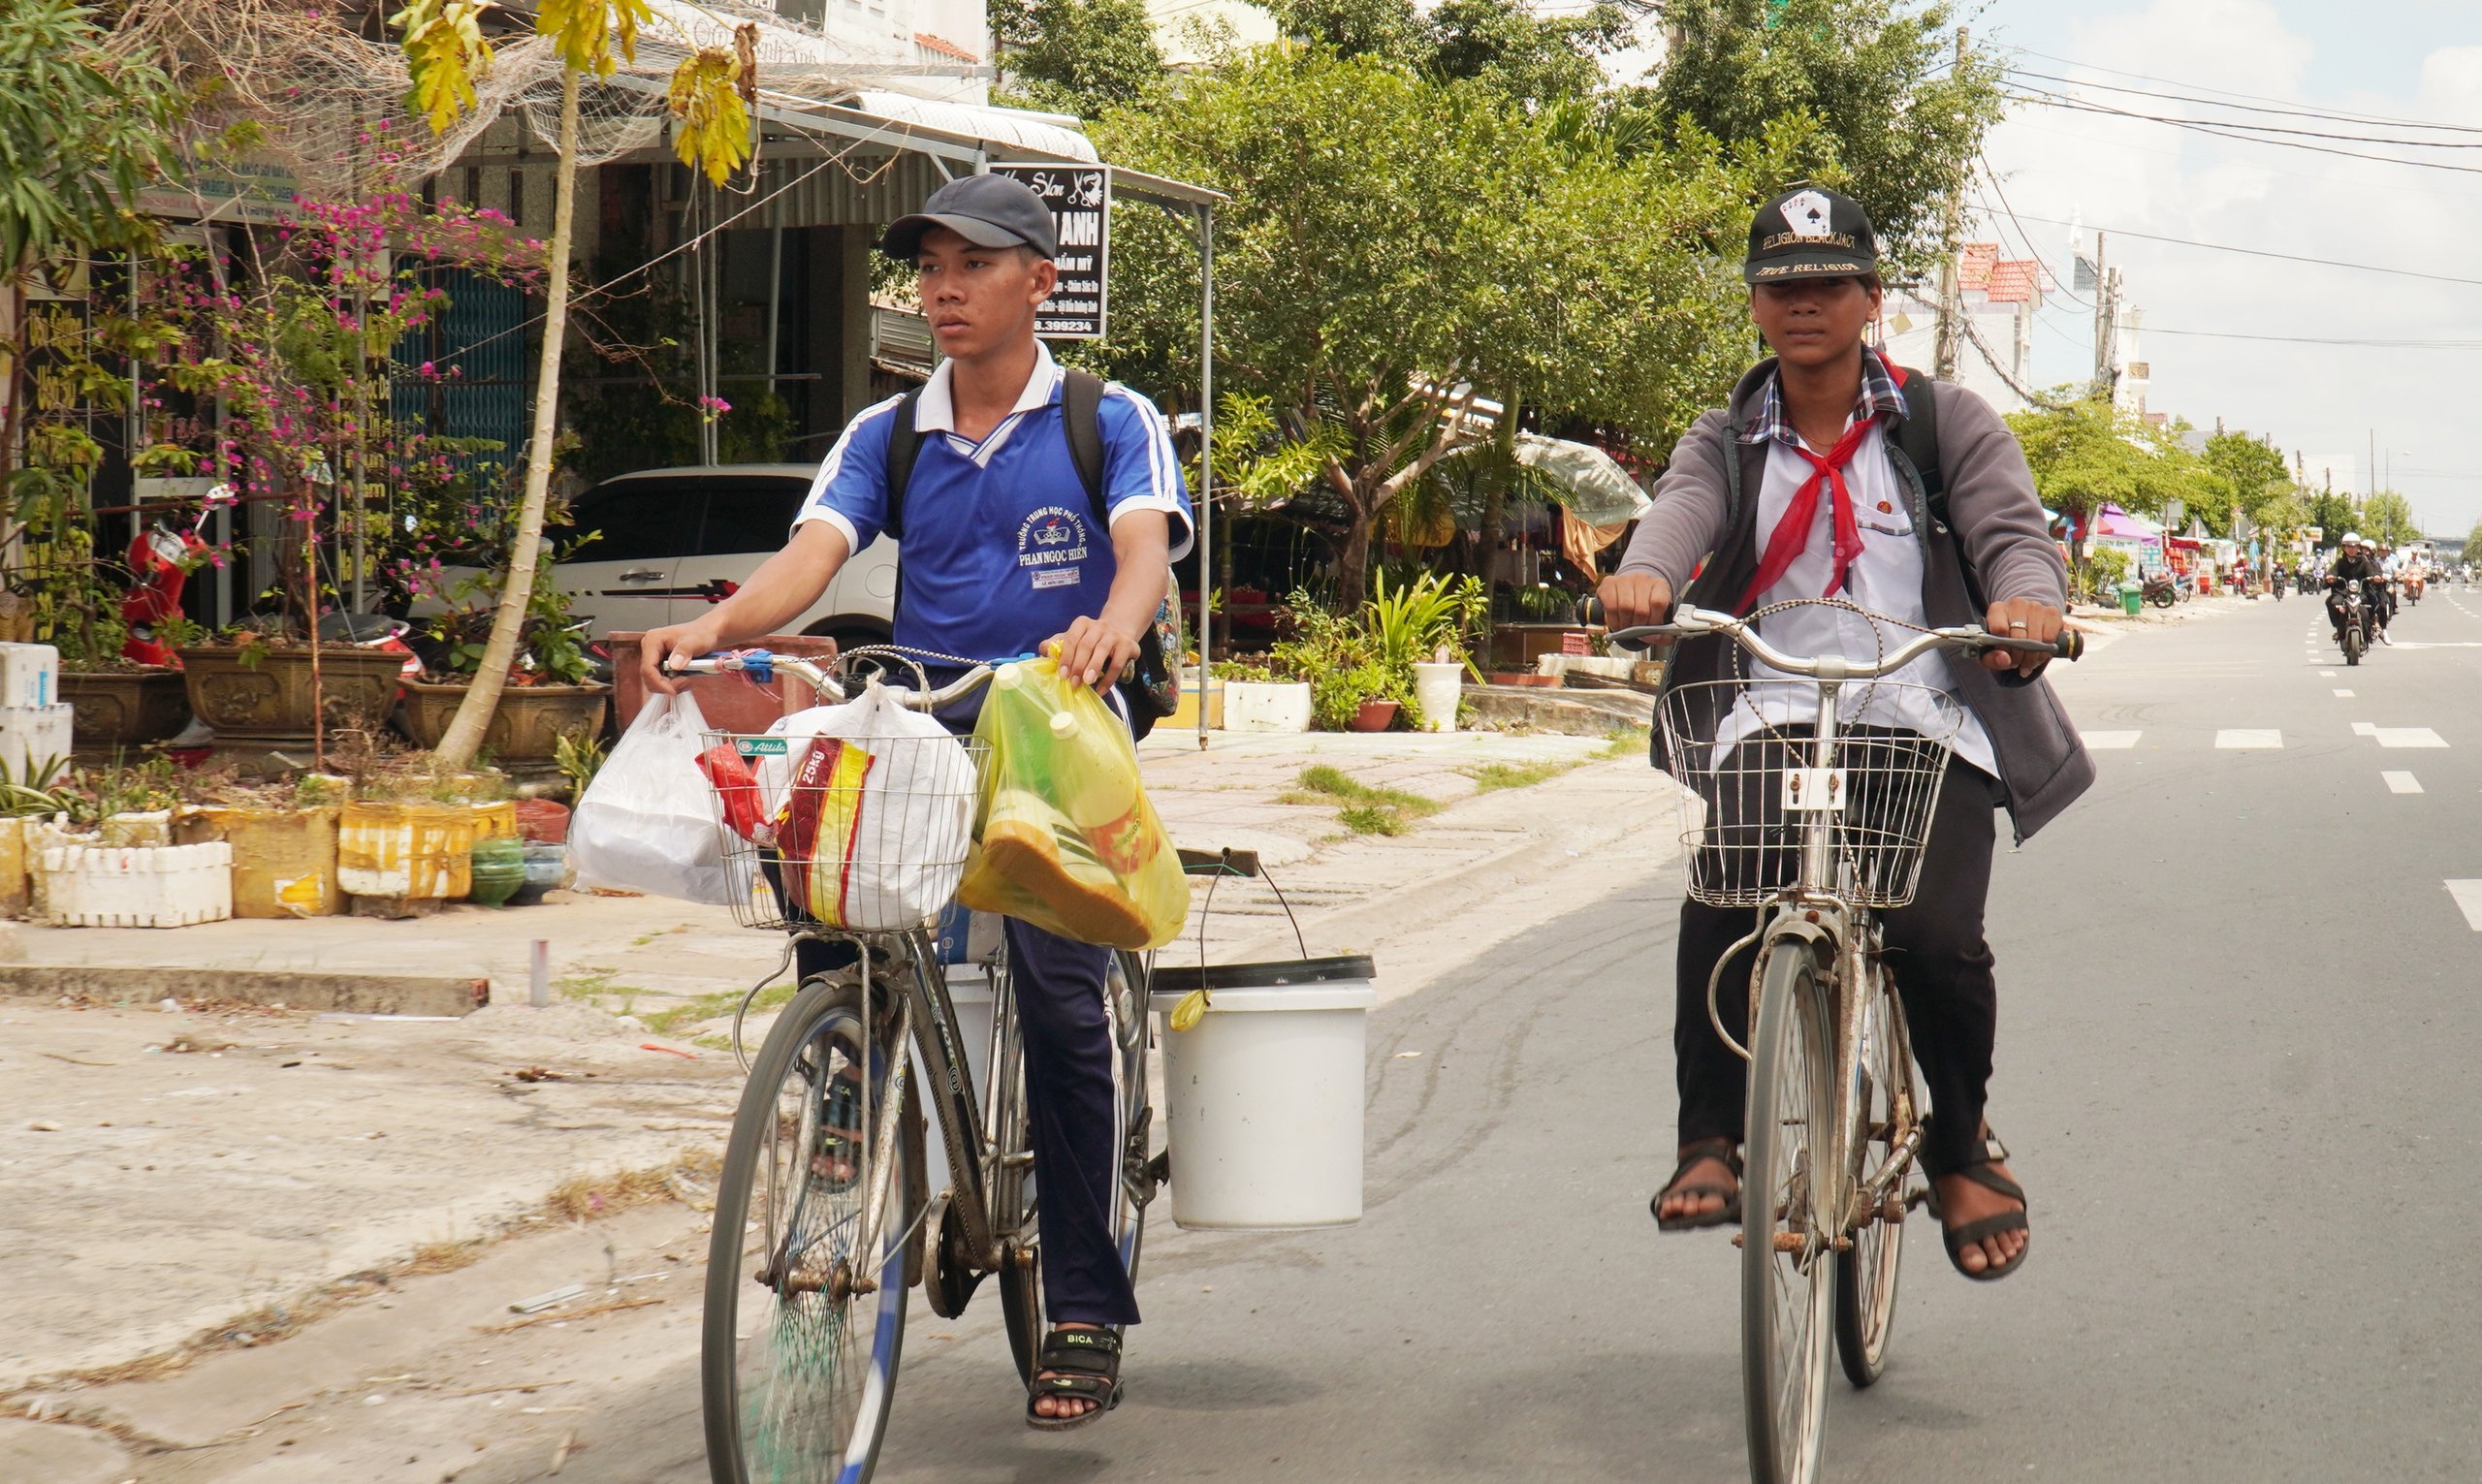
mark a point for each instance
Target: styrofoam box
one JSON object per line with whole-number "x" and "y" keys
{"x": 29, "y": 675}
{"x": 138, "y": 886}
{"x": 32, "y": 736}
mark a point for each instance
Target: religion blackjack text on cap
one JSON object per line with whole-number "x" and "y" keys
{"x": 1810, "y": 232}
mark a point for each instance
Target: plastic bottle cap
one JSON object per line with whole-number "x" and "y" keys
{"x": 1009, "y": 677}
{"x": 1062, "y": 724}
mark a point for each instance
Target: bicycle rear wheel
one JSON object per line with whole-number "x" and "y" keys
{"x": 806, "y": 1268}
{"x": 1020, "y": 1286}
{"x": 1789, "y": 1184}
{"x": 1865, "y": 1275}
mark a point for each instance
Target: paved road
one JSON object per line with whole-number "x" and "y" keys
{"x": 2238, "y": 1068}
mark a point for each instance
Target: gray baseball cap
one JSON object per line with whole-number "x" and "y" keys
{"x": 986, "y": 210}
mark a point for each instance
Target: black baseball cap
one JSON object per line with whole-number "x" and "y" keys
{"x": 1810, "y": 231}
{"x": 986, "y": 210}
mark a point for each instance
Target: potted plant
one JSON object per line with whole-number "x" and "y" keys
{"x": 550, "y": 696}
{"x": 1257, "y": 698}
{"x": 109, "y": 859}
{"x": 1420, "y": 630}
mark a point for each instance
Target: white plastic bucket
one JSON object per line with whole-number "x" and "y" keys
{"x": 1264, "y": 1093}
{"x": 969, "y": 994}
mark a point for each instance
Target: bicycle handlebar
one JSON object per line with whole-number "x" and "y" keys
{"x": 1687, "y": 621}
{"x": 761, "y": 665}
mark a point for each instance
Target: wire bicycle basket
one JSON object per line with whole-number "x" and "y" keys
{"x": 857, "y": 834}
{"x": 1744, "y": 755}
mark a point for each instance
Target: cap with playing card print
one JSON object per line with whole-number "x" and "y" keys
{"x": 1810, "y": 232}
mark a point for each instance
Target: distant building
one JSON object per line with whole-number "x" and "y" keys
{"x": 1994, "y": 357}
{"x": 1187, "y": 29}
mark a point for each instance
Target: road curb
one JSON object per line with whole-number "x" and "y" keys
{"x": 343, "y": 993}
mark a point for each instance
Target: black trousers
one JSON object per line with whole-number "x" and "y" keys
{"x": 1943, "y": 967}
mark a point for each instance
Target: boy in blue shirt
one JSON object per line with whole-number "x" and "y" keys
{"x": 1003, "y": 556}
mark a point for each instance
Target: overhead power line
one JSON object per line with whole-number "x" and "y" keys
{"x": 2066, "y": 100}
{"x": 2022, "y": 236}
{"x": 2256, "y": 252}
{"x": 2234, "y": 133}
{"x": 2370, "y": 119}
{"x": 2364, "y": 342}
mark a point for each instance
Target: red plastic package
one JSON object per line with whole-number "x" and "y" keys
{"x": 735, "y": 787}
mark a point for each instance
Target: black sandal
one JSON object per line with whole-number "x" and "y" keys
{"x": 1695, "y": 1152}
{"x": 1080, "y": 1364}
{"x": 1972, "y": 1233}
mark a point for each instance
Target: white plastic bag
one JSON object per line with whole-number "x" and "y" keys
{"x": 648, "y": 821}
{"x": 875, "y": 841}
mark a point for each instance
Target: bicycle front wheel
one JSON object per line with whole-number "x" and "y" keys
{"x": 1789, "y": 1190}
{"x": 1865, "y": 1274}
{"x": 806, "y": 1270}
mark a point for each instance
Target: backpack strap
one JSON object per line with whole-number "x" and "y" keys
{"x": 1918, "y": 437}
{"x": 905, "y": 445}
{"x": 1081, "y": 418}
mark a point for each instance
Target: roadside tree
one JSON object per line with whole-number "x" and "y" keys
{"x": 1900, "y": 124}
{"x": 446, "y": 51}
{"x": 1398, "y": 249}
{"x": 1075, "y": 56}
{"x": 2387, "y": 518}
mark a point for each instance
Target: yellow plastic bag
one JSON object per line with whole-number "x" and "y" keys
{"x": 1066, "y": 840}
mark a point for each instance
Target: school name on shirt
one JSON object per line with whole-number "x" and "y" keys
{"x": 1057, "y": 557}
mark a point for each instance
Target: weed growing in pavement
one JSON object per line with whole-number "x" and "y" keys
{"x": 707, "y": 1007}
{"x": 1367, "y": 811}
{"x": 1624, "y": 742}
{"x": 1491, "y": 777}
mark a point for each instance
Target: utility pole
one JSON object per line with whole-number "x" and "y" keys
{"x": 1950, "y": 293}
{"x": 2106, "y": 311}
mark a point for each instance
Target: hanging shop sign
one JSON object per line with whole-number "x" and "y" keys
{"x": 1080, "y": 198}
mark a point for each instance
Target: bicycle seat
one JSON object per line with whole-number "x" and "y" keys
{"x": 1218, "y": 863}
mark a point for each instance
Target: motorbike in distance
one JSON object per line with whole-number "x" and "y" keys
{"x": 2359, "y": 615}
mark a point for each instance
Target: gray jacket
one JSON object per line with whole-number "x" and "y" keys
{"x": 1999, "y": 532}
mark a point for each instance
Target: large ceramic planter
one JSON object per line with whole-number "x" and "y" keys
{"x": 1255, "y": 706}
{"x": 405, "y": 851}
{"x": 121, "y": 710}
{"x": 526, "y": 727}
{"x": 284, "y": 861}
{"x": 271, "y": 699}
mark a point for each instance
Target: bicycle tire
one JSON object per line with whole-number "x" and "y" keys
{"x": 1866, "y": 1274}
{"x": 1021, "y": 1298}
{"x": 779, "y": 1407}
{"x": 1787, "y": 1299}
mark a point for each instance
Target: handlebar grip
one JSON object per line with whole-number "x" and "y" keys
{"x": 2071, "y": 646}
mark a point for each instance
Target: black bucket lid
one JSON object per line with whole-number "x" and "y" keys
{"x": 1263, "y": 976}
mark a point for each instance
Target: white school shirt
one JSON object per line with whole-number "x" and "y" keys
{"x": 1884, "y": 578}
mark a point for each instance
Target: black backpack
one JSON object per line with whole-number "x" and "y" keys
{"x": 1152, "y": 684}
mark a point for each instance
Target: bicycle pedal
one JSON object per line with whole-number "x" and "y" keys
{"x": 1917, "y": 1199}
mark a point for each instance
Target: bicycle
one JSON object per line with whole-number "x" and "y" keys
{"x": 824, "y": 1221}
{"x": 1785, "y": 811}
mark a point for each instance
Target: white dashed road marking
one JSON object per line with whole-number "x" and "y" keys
{"x": 2468, "y": 901}
{"x": 2326, "y": 675}
{"x": 2409, "y": 737}
{"x": 2109, "y": 742}
{"x": 2342, "y": 693}
{"x": 2401, "y": 783}
{"x": 2365, "y": 729}
{"x": 2248, "y": 737}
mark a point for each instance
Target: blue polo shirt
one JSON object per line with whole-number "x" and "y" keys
{"x": 1000, "y": 546}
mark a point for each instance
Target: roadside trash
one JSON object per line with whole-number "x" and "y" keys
{"x": 539, "y": 1074}
{"x": 1066, "y": 839}
{"x": 645, "y": 823}
{"x": 685, "y": 1056}
{"x": 44, "y": 1127}
{"x": 543, "y": 1301}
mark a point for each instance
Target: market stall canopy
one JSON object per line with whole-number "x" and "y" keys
{"x": 2113, "y": 520}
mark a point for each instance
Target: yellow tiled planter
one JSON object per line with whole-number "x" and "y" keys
{"x": 415, "y": 850}
{"x": 284, "y": 861}
{"x": 495, "y": 821}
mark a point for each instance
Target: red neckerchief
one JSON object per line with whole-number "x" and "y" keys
{"x": 1792, "y": 534}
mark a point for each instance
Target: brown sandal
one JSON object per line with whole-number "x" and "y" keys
{"x": 1972, "y": 1233}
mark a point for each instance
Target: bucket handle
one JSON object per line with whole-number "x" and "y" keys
{"x": 1215, "y": 867}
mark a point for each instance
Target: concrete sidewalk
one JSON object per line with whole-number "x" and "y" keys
{"x": 207, "y": 1173}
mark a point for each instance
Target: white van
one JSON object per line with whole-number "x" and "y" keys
{"x": 670, "y": 542}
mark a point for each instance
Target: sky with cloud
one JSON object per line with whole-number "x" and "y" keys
{"x": 2403, "y": 59}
